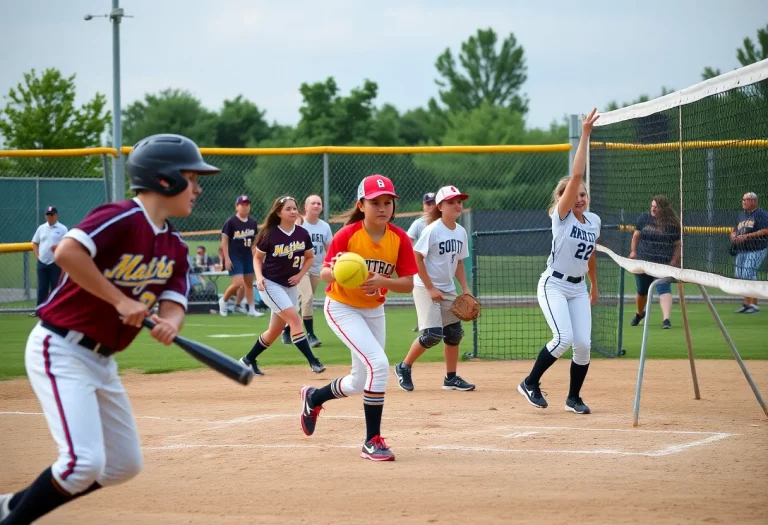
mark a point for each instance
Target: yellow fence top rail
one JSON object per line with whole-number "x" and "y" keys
{"x": 57, "y": 152}
{"x": 371, "y": 150}
{"x": 688, "y": 144}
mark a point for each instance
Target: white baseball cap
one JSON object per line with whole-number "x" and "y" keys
{"x": 447, "y": 193}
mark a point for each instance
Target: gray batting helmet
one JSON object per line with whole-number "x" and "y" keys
{"x": 163, "y": 158}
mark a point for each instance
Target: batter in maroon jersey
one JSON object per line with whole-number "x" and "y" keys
{"x": 284, "y": 254}
{"x": 122, "y": 259}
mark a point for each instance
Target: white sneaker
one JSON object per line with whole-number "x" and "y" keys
{"x": 223, "y": 307}
{"x": 5, "y": 500}
{"x": 253, "y": 312}
{"x": 242, "y": 309}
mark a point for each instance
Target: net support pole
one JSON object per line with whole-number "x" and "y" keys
{"x": 643, "y": 348}
{"x": 735, "y": 352}
{"x": 684, "y": 311}
{"x": 326, "y": 190}
{"x": 475, "y": 292}
{"x": 574, "y": 135}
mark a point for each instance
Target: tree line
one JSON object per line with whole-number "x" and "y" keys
{"x": 480, "y": 101}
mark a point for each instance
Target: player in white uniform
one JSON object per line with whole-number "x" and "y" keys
{"x": 321, "y": 235}
{"x": 562, "y": 291}
{"x": 440, "y": 253}
{"x": 356, "y": 315}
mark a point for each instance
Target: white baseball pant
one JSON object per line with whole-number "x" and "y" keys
{"x": 87, "y": 411}
{"x": 569, "y": 315}
{"x": 278, "y": 297}
{"x": 363, "y": 330}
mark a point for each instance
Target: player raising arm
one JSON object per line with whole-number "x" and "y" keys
{"x": 117, "y": 263}
{"x": 440, "y": 252}
{"x": 562, "y": 292}
{"x": 283, "y": 256}
{"x": 356, "y": 315}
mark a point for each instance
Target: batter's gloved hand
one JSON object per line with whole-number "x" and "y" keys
{"x": 466, "y": 307}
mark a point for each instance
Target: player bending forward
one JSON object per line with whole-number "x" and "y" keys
{"x": 117, "y": 263}
{"x": 283, "y": 256}
{"x": 440, "y": 253}
{"x": 562, "y": 292}
{"x": 356, "y": 315}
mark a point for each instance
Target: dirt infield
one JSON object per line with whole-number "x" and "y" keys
{"x": 219, "y": 453}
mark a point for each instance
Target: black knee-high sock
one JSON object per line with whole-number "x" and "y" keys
{"x": 543, "y": 362}
{"x": 330, "y": 391}
{"x": 257, "y": 349}
{"x": 373, "y": 406}
{"x": 300, "y": 340}
{"x": 40, "y": 498}
{"x": 309, "y": 326}
{"x": 578, "y": 374}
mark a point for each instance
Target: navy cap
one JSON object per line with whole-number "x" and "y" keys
{"x": 51, "y": 210}
{"x": 429, "y": 197}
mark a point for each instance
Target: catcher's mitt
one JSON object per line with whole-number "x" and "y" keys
{"x": 466, "y": 307}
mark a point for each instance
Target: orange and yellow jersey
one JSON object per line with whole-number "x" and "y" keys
{"x": 392, "y": 254}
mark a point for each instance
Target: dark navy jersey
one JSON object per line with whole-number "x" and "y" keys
{"x": 285, "y": 253}
{"x": 751, "y": 222}
{"x": 241, "y": 235}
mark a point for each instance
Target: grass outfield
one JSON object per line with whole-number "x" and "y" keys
{"x": 748, "y": 332}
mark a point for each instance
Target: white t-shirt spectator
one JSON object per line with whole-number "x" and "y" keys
{"x": 46, "y": 236}
{"x": 416, "y": 228}
{"x": 321, "y": 235}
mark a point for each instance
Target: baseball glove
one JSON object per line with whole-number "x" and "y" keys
{"x": 466, "y": 307}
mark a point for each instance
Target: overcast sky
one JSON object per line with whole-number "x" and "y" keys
{"x": 579, "y": 54}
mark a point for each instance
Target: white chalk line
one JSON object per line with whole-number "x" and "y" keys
{"x": 221, "y": 424}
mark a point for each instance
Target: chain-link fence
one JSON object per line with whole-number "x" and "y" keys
{"x": 509, "y": 188}
{"x": 74, "y": 182}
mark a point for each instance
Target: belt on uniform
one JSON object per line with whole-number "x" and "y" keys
{"x": 85, "y": 342}
{"x": 574, "y": 280}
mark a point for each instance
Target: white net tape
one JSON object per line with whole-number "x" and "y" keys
{"x": 737, "y": 287}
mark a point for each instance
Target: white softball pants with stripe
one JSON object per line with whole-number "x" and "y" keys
{"x": 87, "y": 411}
{"x": 569, "y": 315}
{"x": 363, "y": 330}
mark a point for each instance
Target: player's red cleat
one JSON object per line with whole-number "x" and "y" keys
{"x": 376, "y": 450}
{"x": 309, "y": 412}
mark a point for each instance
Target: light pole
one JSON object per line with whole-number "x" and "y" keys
{"x": 118, "y": 166}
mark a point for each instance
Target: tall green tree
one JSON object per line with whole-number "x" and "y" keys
{"x": 170, "y": 111}
{"x": 241, "y": 123}
{"x": 329, "y": 118}
{"x": 40, "y": 113}
{"x": 749, "y": 54}
{"x": 422, "y": 126}
{"x": 483, "y": 74}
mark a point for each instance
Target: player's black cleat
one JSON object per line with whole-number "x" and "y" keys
{"x": 252, "y": 364}
{"x": 533, "y": 394}
{"x": 666, "y": 325}
{"x": 376, "y": 450}
{"x": 286, "y": 338}
{"x": 403, "y": 373}
{"x": 457, "y": 383}
{"x": 309, "y": 412}
{"x": 317, "y": 367}
{"x": 313, "y": 341}
{"x": 576, "y": 404}
{"x": 636, "y": 319}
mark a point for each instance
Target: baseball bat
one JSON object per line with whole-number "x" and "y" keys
{"x": 212, "y": 358}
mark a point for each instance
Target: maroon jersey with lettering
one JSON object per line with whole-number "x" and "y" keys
{"x": 285, "y": 253}
{"x": 146, "y": 263}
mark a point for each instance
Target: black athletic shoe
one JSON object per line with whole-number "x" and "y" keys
{"x": 744, "y": 308}
{"x": 416, "y": 329}
{"x": 457, "y": 383}
{"x": 255, "y": 367}
{"x": 636, "y": 319}
{"x": 286, "y": 338}
{"x": 751, "y": 310}
{"x": 317, "y": 367}
{"x": 309, "y": 412}
{"x": 532, "y": 394}
{"x": 313, "y": 341}
{"x": 666, "y": 325}
{"x": 576, "y": 404}
{"x": 403, "y": 373}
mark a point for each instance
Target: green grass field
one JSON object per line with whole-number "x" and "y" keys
{"x": 748, "y": 332}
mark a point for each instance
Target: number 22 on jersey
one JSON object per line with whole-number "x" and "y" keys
{"x": 584, "y": 251}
